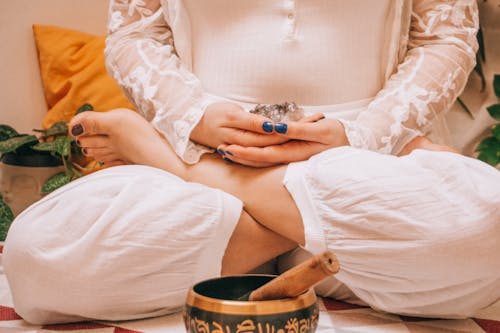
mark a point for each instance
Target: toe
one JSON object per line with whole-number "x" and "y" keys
{"x": 90, "y": 123}
{"x": 114, "y": 163}
{"x": 96, "y": 153}
{"x": 93, "y": 141}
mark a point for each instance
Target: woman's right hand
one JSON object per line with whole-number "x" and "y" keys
{"x": 228, "y": 123}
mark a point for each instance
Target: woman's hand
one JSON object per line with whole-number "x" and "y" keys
{"x": 303, "y": 140}
{"x": 228, "y": 123}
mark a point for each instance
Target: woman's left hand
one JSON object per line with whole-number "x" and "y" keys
{"x": 306, "y": 139}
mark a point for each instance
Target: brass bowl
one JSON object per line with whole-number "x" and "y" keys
{"x": 213, "y": 306}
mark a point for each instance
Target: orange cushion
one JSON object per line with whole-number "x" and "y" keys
{"x": 73, "y": 73}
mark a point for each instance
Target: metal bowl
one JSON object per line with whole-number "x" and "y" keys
{"x": 213, "y": 306}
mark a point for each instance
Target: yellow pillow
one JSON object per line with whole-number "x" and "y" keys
{"x": 73, "y": 73}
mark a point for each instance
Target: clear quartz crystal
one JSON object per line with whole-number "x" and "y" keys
{"x": 279, "y": 112}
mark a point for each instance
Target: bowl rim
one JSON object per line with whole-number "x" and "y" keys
{"x": 206, "y": 303}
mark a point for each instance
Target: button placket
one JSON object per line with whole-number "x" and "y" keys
{"x": 291, "y": 18}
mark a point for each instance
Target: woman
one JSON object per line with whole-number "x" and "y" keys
{"x": 415, "y": 235}
{"x": 322, "y": 75}
{"x": 380, "y": 71}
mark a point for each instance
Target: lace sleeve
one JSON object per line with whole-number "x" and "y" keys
{"x": 441, "y": 54}
{"x": 140, "y": 55}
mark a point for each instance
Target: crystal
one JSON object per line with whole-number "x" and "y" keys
{"x": 279, "y": 112}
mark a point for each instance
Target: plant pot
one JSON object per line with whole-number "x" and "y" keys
{"x": 22, "y": 177}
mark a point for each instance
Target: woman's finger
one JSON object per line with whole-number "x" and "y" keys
{"x": 312, "y": 118}
{"x": 288, "y": 152}
{"x": 226, "y": 154}
{"x": 250, "y": 139}
{"x": 249, "y": 121}
{"x": 326, "y": 131}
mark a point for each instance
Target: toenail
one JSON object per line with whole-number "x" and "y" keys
{"x": 228, "y": 160}
{"x": 84, "y": 151}
{"x": 281, "y": 128}
{"x": 77, "y": 130}
{"x": 220, "y": 152}
{"x": 267, "y": 126}
{"x": 229, "y": 153}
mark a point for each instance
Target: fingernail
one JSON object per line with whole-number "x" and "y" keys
{"x": 77, "y": 130}
{"x": 267, "y": 126}
{"x": 220, "y": 152}
{"x": 227, "y": 160}
{"x": 321, "y": 118}
{"x": 281, "y": 128}
{"x": 229, "y": 153}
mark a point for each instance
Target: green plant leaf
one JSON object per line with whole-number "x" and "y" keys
{"x": 17, "y": 142}
{"x": 55, "y": 182}
{"x": 59, "y": 128}
{"x": 60, "y": 146}
{"x": 7, "y": 132}
{"x": 496, "y": 85}
{"x": 6, "y": 218}
{"x": 489, "y": 157}
{"x": 496, "y": 131}
{"x": 488, "y": 143}
{"x": 494, "y": 111}
{"x": 85, "y": 107}
{"x": 489, "y": 150}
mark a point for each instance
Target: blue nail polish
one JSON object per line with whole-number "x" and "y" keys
{"x": 267, "y": 126}
{"x": 229, "y": 153}
{"x": 227, "y": 160}
{"x": 281, "y": 128}
{"x": 220, "y": 152}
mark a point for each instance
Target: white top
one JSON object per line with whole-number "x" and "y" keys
{"x": 275, "y": 51}
{"x": 342, "y": 55}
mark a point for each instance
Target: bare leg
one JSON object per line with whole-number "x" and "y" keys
{"x": 133, "y": 139}
{"x": 255, "y": 243}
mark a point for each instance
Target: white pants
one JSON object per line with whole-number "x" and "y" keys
{"x": 418, "y": 235}
{"x": 123, "y": 243}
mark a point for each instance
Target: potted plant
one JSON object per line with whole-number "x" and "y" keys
{"x": 34, "y": 165}
{"x": 488, "y": 136}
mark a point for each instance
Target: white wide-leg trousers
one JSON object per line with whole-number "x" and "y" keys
{"x": 123, "y": 243}
{"x": 418, "y": 235}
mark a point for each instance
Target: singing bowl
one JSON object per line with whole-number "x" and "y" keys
{"x": 213, "y": 306}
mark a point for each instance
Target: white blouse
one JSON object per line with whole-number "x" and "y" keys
{"x": 393, "y": 65}
{"x": 263, "y": 51}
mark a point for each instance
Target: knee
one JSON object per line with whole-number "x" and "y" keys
{"x": 33, "y": 287}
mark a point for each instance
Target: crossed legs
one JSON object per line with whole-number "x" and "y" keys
{"x": 265, "y": 198}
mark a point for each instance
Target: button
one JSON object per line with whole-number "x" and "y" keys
{"x": 291, "y": 16}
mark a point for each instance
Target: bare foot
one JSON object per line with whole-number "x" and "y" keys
{"x": 421, "y": 142}
{"x": 122, "y": 136}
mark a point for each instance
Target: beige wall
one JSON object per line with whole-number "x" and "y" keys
{"x": 21, "y": 98}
